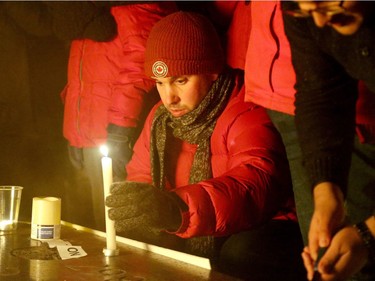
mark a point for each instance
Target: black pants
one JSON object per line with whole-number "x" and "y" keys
{"x": 269, "y": 252}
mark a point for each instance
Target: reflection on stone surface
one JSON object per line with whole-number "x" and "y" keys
{"x": 107, "y": 273}
{"x": 42, "y": 252}
{"x": 42, "y": 260}
{"x": 9, "y": 265}
{"x": 44, "y": 270}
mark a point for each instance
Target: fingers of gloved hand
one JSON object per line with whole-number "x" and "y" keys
{"x": 117, "y": 200}
{"x": 125, "y": 225}
{"x": 123, "y": 207}
{"x": 128, "y": 187}
{"x": 118, "y": 187}
{"x": 144, "y": 225}
{"x": 139, "y": 186}
{"x": 143, "y": 192}
{"x": 127, "y": 197}
{"x": 124, "y": 187}
{"x": 149, "y": 204}
{"x": 126, "y": 212}
{"x": 130, "y": 224}
{"x": 157, "y": 201}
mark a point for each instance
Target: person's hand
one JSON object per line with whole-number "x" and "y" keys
{"x": 142, "y": 207}
{"x": 75, "y": 156}
{"x": 308, "y": 263}
{"x": 345, "y": 256}
{"x": 120, "y": 142}
{"x": 328, "y": 217}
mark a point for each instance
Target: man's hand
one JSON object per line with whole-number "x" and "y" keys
{"x": 142, "y": 207}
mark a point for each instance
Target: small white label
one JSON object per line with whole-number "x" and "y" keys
{"x": 45, "y": 232}
{"x": 71, "y": 252}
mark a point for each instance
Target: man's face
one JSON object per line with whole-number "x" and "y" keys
{"x": 182, "y": 94}
{"x": 346, "y": 21}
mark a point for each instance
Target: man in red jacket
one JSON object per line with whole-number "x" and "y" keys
{"x": 209, "y": 167}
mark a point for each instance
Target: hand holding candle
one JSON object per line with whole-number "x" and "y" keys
{"x": 111, "y": 249}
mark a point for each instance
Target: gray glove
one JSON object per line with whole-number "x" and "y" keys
{"x": 142, "y": 207}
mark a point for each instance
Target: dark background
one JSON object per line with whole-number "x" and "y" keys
{"x": 33, "y": 66}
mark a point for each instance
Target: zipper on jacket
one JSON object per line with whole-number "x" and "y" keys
{"x": 277, "y": 41}
{"x": 78, "y": 127}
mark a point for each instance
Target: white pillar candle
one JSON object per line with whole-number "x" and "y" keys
{"x": 109, "y": 224}
{"x": 46, "y": 218}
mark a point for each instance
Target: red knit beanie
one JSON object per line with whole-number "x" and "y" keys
{"x": 183, "y": 43}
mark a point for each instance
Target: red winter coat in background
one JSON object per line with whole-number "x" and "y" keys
{"x": 234, "y": 17}
{"x": 270, "y": 76}
{"x": 251, "y": 180}
{"x": 256, "y": 43}
{"x": 106, "y": 83}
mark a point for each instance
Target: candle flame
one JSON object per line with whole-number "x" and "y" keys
{"x": 104, "y": 150}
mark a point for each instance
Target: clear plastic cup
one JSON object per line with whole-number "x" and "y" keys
{"x": 10, "y": 200}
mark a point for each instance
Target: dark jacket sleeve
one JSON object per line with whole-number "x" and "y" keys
{"x": 325, "y": 103}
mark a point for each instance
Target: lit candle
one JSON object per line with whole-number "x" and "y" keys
{"x": 109, "y": 224}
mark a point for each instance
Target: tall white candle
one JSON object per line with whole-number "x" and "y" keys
{"x": 109, "y": 224}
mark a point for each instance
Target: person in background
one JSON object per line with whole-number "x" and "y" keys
{"x": 269, "y": 80}
{"x": 209, "y": 167}
{"x": 332, "y": 45}
{"x": 105, "y": 97}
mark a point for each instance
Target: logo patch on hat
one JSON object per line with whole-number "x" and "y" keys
{"x": 159, "y": 69}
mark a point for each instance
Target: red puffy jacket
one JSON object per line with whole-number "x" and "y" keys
{"x": 251, "y": 180}
{"x": 106, "y": 83}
